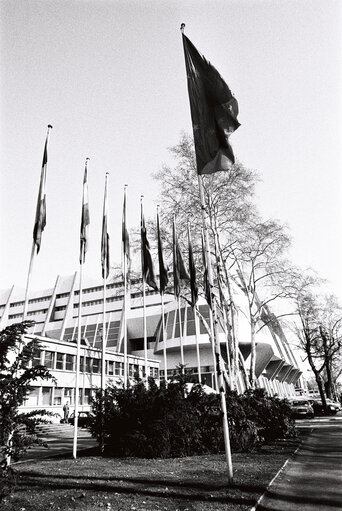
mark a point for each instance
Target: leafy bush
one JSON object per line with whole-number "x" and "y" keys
{"x": 170, "y": 421}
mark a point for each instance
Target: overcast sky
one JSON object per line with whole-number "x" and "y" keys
{"x": 110, "y": 77}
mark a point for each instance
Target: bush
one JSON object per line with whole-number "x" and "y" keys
{"x": 169, "y": 421}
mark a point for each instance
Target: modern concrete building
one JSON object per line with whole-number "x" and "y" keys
{"x": 55, "y": 312}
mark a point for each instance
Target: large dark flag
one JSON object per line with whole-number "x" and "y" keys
{"x": 206, "y": 285}
{"x": 192, "y": 271}
{"x": 85, "y": 219}
{"x": 179, "y": 270}
{"x": 125, "y": 239}
{"x": 105, "y": 237}
{"x": 40, "y": 219}
{"x": 163, "y": 269}
{"x": 214, "y": 112}
{"x": 146, "y": 258}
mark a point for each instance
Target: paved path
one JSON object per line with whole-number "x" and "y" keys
{"x": 59, "y": 438}
{"x": 312, "y": 480}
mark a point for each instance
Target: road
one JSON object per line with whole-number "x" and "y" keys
{"x": 312, "y": 479}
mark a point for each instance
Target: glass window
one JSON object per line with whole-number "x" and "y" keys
{"x": 110, "y": 367}
{"x": 118, "y": 368}
{"x": 60, "y": 361}
{"x": 70, "y": 362}
{"x": 97, "y": 365}
{"x": 49, "y": 359}
{"x": 81, "y": 368}
{"x": 33, "y": 397}
{"x": 87, "y": 394}
{"x": 36, "y": 357}
{"x": 69, "y": 395}
{"x": 57, "y": 398}
{"x": 46, "y": 396}
{"x": 88, "y": 365}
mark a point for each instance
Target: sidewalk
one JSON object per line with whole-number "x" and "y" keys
{"x": 312, "y": 480}
{"x": 59, "y": 438}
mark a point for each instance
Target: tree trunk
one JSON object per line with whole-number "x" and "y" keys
{"x": 252, "y": 378}
{"x": 317, "y": 375}
{"x": 327, "y": 358}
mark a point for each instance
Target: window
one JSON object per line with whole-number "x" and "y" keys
{"x": 118, "y": 368}
{"x": 81, "y": 368}
{"x": 36, "y": 357}
{"x": 70, "y": 362}
{"x": 87, "y": 396}
{"x": 49, "y": 359}
{"x": 110, "y": 368}
{"x": 33, "y": 397}
{"x": 60, "y": 361}
{"x": 57, "y": 399}
{"x": 69, "y": 395}
{"x": 88, "y": 365}
{"x": 46, "y": 396}
{"x": 133, "y": 370}
{"x": 96, "y": 365}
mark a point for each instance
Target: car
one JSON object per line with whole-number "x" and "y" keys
{"x": 317, "y": 405}
{"x": 301, "y": 408}
{"x": 84, "y": 419}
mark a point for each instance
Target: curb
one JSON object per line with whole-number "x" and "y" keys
{"x": 254, "y": 508}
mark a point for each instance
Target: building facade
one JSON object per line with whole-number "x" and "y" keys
{"x": 55, "y": 313}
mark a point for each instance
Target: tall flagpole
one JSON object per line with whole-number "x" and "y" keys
{"x": 216, "y": 336}
{"x": 181, "y": 335}
{"x": 197, "y": 344}
{"x": 144, "y": 299}
{"x": 161, "y": 288}
{"x": 83, "y": 249}
{"x": 125, "y": 303}
{"x": 163, "y": 335}
{"x": 78, "y": 358}
{"x": 39, "y": 221}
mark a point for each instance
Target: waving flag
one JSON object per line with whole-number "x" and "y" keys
{"x": 125, "y": 238}
{"x": 105, "y": 237}
{"x": 40, "y": 220}
{"x": 192, "y": 271}
{"x": 179, "y": 270}
{"x": 85, "y": 216}
{"x": 146, "y": 258}
{"x": 214, "y": 112}
{"x": 163, "y": 269}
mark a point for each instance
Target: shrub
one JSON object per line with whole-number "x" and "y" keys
{"x": 170, "y": 421}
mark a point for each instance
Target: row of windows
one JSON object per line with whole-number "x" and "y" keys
{"x": 33, "y": 300}
{"x": 67, "y": 362}
{"x": 57, "y": 396}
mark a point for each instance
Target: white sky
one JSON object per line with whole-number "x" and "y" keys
{"x": 110, "y": 77}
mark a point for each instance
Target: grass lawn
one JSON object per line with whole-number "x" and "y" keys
{"x": 127, "y": 484}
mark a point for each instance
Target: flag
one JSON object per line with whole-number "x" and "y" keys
{"x": 192, "y": 271}
{"x": 40, "y": 219}
{"x": 146, "y": 258}
{"x": 125, "y": 239}
{"x": 105, "y": 237}
{"x": 214, "y": 112}
{"x": 85, "y": 216}
{"x": 163, "y": 269}
{"x": 206, "y": 285}
{"x": 179, "y": 270}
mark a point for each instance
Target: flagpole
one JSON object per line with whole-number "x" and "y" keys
{"x": 144, "y": 302}
{"x": 28, "y": 280}
{"x": 78, "y": 358}
{"x": 125, "y": 307}
{"x": 33, "y": 249}
{"x": 216, "y": 336}
{"x": 163, "y": 335}
{"x": 197, "y": 344}
{"x": 181, "y": 336}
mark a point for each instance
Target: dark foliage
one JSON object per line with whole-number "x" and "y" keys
{"x": 17, "y": 430}
{"x": 173, "y": 421}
